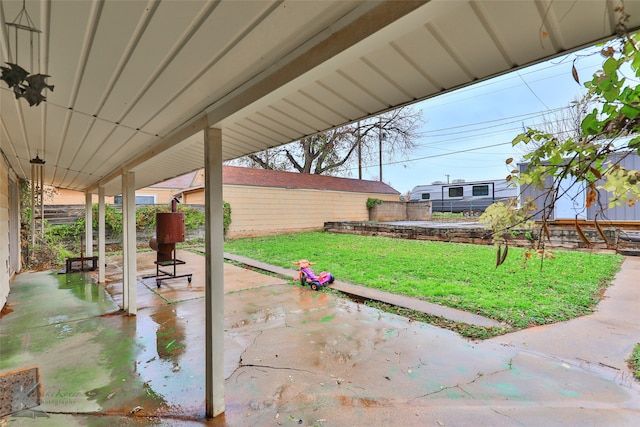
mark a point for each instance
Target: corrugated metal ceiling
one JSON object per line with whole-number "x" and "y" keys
{"x": 135, "y": 81}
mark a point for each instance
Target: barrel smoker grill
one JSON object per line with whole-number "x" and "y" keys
{"x": 169, "y": 231}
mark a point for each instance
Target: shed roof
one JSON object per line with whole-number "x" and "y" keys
{"x": 234, "y": 175}
{"x": 182, "y": 181}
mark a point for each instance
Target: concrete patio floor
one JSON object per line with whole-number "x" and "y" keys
{"x": 299, "y": 357}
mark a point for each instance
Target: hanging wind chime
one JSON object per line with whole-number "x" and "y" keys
{"x": 24, "y": 85}
{"x": 28, "y": 86}
{"x": 37, "y": 195}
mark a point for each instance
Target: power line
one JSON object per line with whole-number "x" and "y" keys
{"x": 470, "y": 130}
{"x": 531, "y": 90}
{"x": 519, "y": 117}
{"x": 467, "y": 150}
{"x": 534, "y": 70}
{"x": 452, "y": 152}
{"x": 471, "y": 133}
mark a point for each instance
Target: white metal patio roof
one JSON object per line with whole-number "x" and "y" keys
{"x": 137, "y": 81}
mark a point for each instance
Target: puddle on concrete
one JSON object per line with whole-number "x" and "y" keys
{"x": 48, "y": 309}
{"x": 169, "y": 369}
{"x": 44, "y": 296}
{"x": 60, "y": 325}
{"x": 169, "y": 333}
{"x": 81, "y": 286}
{"x": 63, "y": 330}
{"x": 273, "y": 316}
{"x": 125, "y": 388}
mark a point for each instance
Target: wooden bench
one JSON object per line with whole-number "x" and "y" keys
{"x": 83, "y": 264}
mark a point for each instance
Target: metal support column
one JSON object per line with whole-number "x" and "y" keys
{"x": 214, "y": 285}
{"x": 129, "y": 194}
{"x": 125, "y": 245}
{"x": 101, "y": 236}
{"x": 88, "y": 226}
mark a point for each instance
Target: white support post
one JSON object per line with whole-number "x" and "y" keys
{"x": 214, "y": 281}
{"x": 125, "y": 245}
{"x": 88, "y": 225}
{"x": 130, "y": 248}
{"x": 101, "y": 236}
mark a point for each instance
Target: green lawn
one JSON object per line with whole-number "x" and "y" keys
{"x": 521, "y": 292}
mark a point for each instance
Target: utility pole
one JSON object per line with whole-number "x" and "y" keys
{"x": 380, "y": 143}
{"x": 359, "y": 152}
{"x": 447, "y": 175}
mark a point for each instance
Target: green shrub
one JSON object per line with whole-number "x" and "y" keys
{"x": 56, "y": 234}
{"x": 112, "y": 219}
{"x": 226, "y": 213}
{"x": 61, "y": 241}
{"x": 193, "y": 218}
{"x": 371, "y": 202}
{"x": 146, "y": 216}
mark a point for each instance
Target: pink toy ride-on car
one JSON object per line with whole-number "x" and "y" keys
{"x": 307, "y": 275}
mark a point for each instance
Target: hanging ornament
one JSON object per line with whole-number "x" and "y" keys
{"x": 24, "y": 85}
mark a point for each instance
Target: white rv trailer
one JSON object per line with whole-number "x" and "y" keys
{"x": 470, "y": 198}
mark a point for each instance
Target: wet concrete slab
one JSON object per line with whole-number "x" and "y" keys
{"x": 602, "y": 340}
{"x": 382, "y": 296}
{"x": 49, "y": 298}
{"x": 179, "y": 289}
{"x": 299, "y": 357}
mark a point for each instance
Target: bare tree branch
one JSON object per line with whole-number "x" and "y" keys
{"x": 333, "y": 152}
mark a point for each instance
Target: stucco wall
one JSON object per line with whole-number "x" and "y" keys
{"x": 390, "y": 211}
{"x": 400, "y": 211}
{"x": 419, "y": 211}
{"x": 259, "y": 211}
{"x": 5, "y": 274}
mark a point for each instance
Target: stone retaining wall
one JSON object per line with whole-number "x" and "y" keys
{"x": 561, "y": 238}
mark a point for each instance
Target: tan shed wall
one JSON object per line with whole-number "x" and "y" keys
{"x": 194, "y": 197}
{"x": 62, "y": 196}
{"x": 163, "y": 195}
{"x": 70, "y": 197}
{"x": 5, "y": 274}
{"x": 259, "y": 211}
{"x": 65, "y": 197}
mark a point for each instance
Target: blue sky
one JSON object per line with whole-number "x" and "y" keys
{"x": 490, "y": 113}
